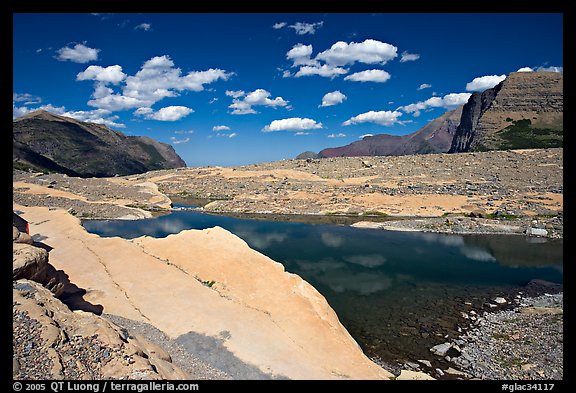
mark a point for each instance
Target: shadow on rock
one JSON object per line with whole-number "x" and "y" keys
{"x": 213, "y": 351}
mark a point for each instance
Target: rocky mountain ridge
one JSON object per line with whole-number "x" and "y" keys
{"x": 43, "y": 141}
{"x": 434, "y": 137}
{"x": 523, "y": 111}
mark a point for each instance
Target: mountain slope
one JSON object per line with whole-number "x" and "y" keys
{"x": 523, "y": 111}
{"x": 434, "y": 137}
{"x": 48, "y": 142}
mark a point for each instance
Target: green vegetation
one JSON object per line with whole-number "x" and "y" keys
{"x": 509, "y": 119}
{"x": 500, "y": 336}
{"x": 375, "y": 213}
{"x": 501, "y": 216}
{"x": 208, "y": 283}
{"x": 137, "y": 206}
{"x": 522, "y": 135}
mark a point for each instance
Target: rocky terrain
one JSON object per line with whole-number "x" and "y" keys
{"x": 218, "y": 300}
{"x": 50, "y": 341}
{"x": 434, "y": 137}
{"x": 523, "y": 111}
{"x": 43, "y": 141}
{"x": 498, "y": 192}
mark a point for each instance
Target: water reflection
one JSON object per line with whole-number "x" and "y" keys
{"x": 342, "y": 259}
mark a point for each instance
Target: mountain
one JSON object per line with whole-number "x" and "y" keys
{"x": 523, "y": 111}
{"x": 44, "y": 141}
{"x": 307, "y": 155}
{"x": 434, "y": 137}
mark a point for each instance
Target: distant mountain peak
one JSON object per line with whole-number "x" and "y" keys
{"x": 435, "y": 137}
{"x": 44, "y": 141}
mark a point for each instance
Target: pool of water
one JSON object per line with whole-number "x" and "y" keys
{"x": 397, "y": 293}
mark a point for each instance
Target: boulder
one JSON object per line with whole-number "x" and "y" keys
{"x": 536, "y": 232}
{"x": 441, "y": 349}
{"x": 29, "y": 262}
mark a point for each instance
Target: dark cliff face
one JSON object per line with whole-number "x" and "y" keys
{"x": 434, "y": 137}
{"x": 523, "y": 111}
{"x": 473, "y": 110}
{"x": 43, "y": 141}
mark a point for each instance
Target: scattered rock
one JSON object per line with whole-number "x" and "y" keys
{"x": 441, "y": 349}
{"x": 500, "y": 300}
{"x": 536, "y": 231}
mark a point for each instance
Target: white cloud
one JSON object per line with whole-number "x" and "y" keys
{"x": 303, "y": 133}
{"x": 369, "y": 76}
{"x": 550, "y": 69}
{"x": 279, "y": 25}
{"x": 27, "y": 98}
{"x": 449, "y": 101}
{"x": 143, "y": 26}
{"x": 156, "y": 80}
{"x": 333, "y": 98}
{"x": 112, "y": 74}
{"x": 292, "y": 124}
{"x": 424, "y": 86}
{"x": 302, "y": 28}
{"x": 409, "y": 57}
{"x": 484, "y": 82}
{"x": 184, "y": 132}
{"x": 80, "y": 53}
{"x": 176, "y": 141}
{"x": 242, "y": 103}
{"x": 235, "y": 93}
{"x": 169, "y": 113}
{"x": 325, "y": 71}
{"x": 213, "y": 100}
{"x": 525, "y": 69}
{"x": 220, "y": 128}
{"x": 98, "y": 116}
{"x": 383, "y": 118}
{"x": 339, "y": 135}
{"x": 364, "y": 136}
{"x": 286, "y": 74}
{"x": 232, "y": 135}
{"x": 300, "y": 55}
{"x": 369, "y": 52}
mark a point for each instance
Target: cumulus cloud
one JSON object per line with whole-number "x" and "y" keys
{"x": 292, "y": 124}
{"x": 220, "y": 128}
{"x": 300, "y": 55}
{"x": 364, "y": 136}
{"x": 242, "y": 102}
{"x": 369, "y": 76}
{"x": 143, "y": 26}
{"x": 339, "y": 135}
{"x": 369, "y": 52}
{"x": 551, "y": 69}
{"x": 484, "y": 82}
{"x": 409, "y": 57}
{"x": 80, "y": 53}
{"x": 383, "y": 118}
{"x": 525, "y": 69}
{"x": 112, "y": 74}
{"x": 424, "y": 86}
{"x": 157, "y": 79}
{"x": 26, "y": 98}
{"x": 449, "y": 101}
{"x": 333, "y": 98}
{"x": 324, "y": 70}
{"x": 169, "y": 113}
{"x": 232, "y": 135}
{"x": 98, "y": 116}
{"x": 279, "y": 25}
{"x": 302, "y": 28}
{"x": 176, "y": 141}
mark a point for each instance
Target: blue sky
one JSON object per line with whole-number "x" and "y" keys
{"x": 234, "y": 89}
